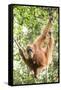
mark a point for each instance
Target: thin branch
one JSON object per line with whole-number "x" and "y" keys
{"x": 21, "y": 51}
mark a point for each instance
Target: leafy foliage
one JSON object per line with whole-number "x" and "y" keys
{"x": 28, "y": 23}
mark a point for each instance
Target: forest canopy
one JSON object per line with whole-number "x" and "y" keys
{"x": 28, "y": 23}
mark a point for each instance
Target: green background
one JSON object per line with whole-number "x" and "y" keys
{"x": 28, "y": 23}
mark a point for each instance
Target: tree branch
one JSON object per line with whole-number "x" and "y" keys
{"x": 21, "y": 51}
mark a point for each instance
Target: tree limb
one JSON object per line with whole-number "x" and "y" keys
{"x": 21, "y": 51}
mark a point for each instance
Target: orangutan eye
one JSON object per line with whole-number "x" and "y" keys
{"x": 29, "y": 50}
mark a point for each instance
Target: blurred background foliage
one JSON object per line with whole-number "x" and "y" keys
{"x": 28, "y": 23}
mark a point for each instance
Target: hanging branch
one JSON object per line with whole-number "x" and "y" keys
{"x": 21, "y": 51}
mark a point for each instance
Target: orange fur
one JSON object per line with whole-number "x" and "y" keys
{"x": 41, "y": 56}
